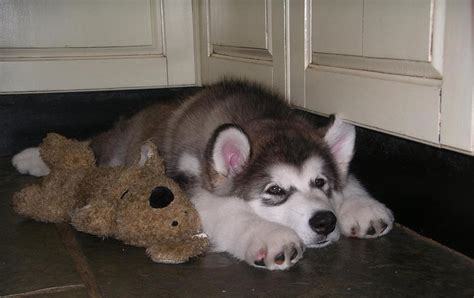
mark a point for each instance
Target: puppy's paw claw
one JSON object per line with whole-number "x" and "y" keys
{"x": 278, "y": 249}
{"x": 371, "y": 231}
{"x": 261, "y": 254}
{"x": 383, "y": 226}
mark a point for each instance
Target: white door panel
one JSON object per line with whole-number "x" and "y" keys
{"x": 233, "y": 67}
{"x": 383, "y": 64}
{"x": 231, "y": 22}
{"x": 408, "y": 71}
{"x": 55, "y": 45}
{"x": 398, "y": 29}
{"x": 71, "y": 23}
{"x": 337, "y": 26}
{"x": 244, "y": 38}
{"x": 74, "y": 74}
{"x": 376, "y": 36}
{"x": 385, "y": 36}
{"x": 392, "y": 104}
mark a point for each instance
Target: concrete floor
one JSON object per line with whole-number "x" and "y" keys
{"x": 55, "y": 261}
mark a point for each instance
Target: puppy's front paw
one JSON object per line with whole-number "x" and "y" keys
{"x": 365, "y": 218}
{"x": 274, "y": 247}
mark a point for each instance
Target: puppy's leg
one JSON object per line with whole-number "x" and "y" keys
{"x": 359, "y": 215}
{"x": 29, "y": 162}
{"x": 233, "y": 227}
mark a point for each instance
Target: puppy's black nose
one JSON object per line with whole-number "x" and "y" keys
{"x": 323, "y": 222}
{"x": 161, "y": 197}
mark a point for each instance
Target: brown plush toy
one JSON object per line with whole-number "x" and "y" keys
{"x": 138, "y": 205}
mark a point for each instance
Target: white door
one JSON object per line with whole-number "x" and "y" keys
{"x": 53, "y": 45}
{"x": 402, "y": 67}
{"x": 244, "y": 38}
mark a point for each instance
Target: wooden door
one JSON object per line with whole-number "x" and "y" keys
{"x": 244, "y": 38}
{"x": 386, "y": 65}
{"x": 64, "y": 45}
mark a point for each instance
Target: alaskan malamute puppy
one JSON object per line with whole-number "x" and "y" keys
{"x": 265, "y": 181}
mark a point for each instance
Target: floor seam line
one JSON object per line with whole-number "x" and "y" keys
{"x": 68, "y": 237}
{"x": 50, "y": 290}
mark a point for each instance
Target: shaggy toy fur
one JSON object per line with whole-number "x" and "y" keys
{"x": 137, "y": 204}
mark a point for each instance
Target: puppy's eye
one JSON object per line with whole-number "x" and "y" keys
{"x": 318, "y": 182}
{"x": 275, "y": 190}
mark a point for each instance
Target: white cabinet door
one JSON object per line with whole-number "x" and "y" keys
{"x": 244, "y": 38}
{"x": 387, "y": 65}
{"x": 53, "y": 45}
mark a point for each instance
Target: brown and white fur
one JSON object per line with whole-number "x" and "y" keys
{"x": 265, "y": 181}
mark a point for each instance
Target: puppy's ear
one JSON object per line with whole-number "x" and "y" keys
{"x": 228, "y": 150}
{"x": 340, "y": 137}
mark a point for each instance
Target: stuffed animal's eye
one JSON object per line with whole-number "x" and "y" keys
{"x": 275, "y": 190}
{"x": 161, "y": 197}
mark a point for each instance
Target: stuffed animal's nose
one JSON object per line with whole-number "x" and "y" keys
{"x": 161, "y": 197}
{"x": 323, "y": 222}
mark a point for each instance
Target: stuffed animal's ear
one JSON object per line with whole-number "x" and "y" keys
{"x": 340, "y": 137}
{"x": 59, "y": 152}
{"x": 228, "y": 150}
{"x": 149, "y": 157}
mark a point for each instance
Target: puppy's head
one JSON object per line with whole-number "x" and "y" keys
{"x": 288, "y": 171}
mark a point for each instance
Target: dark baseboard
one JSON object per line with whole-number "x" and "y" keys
{"x": 430, "y": 190}
{"x": 25, "y": 119}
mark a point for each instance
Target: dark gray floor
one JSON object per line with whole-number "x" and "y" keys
{"x": 54, "y": 261}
